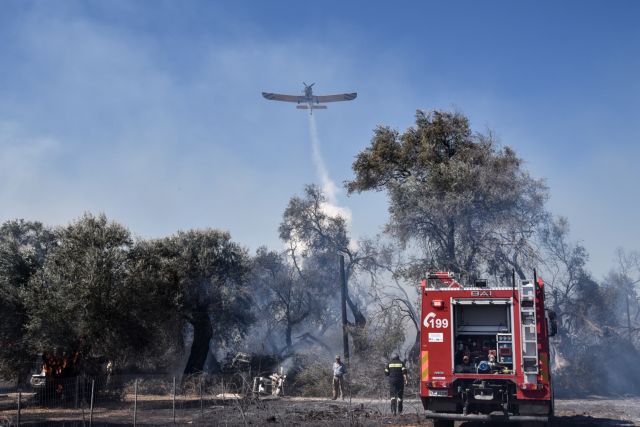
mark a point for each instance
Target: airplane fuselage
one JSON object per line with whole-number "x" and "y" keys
{"x": 309, "y": 101}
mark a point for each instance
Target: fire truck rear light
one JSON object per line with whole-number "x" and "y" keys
{"x": 437, "y": 384}
{"x": 530, "y": 386}
{"x": 437, "y": 303}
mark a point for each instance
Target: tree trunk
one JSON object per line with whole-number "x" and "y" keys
{"x": 358, "y": 329}
{"x": 288, "y": 334}
{"x": 344, "y": 293}
{"x": 359, "y": 319}
{"x": 202, "y": 334}
{"x": 628, "y": 319}
{"x": 346, "y": 272}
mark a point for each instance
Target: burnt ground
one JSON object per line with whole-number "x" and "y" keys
{"x": 298, "y": 411}
{"x": 367, "y": 412}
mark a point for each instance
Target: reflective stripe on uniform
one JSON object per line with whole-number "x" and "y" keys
{"x": 395, "y": 365}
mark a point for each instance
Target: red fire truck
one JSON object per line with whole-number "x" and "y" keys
{"x": 485, "y": 351}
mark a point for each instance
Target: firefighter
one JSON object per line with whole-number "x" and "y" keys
{"x": 397, "y": 373}
{"x": 467, "y": 367}
{"x": 339, "y": 371}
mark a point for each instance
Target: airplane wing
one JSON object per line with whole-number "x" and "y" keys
{"x": 286, "y": 98}
{"x": 335, "y": 98}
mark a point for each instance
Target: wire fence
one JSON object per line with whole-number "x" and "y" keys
{"x": 132, "y": 400}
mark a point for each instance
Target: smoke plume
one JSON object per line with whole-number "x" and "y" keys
{"x": 329, "y": 187}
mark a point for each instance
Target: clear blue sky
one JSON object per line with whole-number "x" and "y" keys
{"x": 150, "y": 111}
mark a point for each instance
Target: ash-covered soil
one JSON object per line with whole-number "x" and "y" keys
{"x": 298, "y": 411}
{"x": 367, "y": 412}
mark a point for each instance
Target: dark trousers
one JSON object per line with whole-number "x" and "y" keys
{"x": 338, "y": 387}
{"x": 396, "y": 390}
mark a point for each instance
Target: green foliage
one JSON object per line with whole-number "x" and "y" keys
{"x": 89, "y": 288}
{"x": 78, "y": 300}
{"x": 23, "y": 247}
{"x": 209, "y": 274}
{"x": 466, "y": 203}
{"x": 153, "y": 287}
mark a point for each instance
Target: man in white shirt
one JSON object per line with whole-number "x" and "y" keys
{"x": 339, "y": 371}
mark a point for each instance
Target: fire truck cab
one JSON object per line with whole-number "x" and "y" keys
{"x": 485, "y": 351}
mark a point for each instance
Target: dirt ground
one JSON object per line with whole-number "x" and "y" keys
{"x": 366, "y": 412}
{"x": 297, "y": 411}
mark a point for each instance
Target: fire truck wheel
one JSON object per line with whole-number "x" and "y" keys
{"x": 442, "y": 423}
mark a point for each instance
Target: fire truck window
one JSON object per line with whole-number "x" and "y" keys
{"x": 482, "y": 319}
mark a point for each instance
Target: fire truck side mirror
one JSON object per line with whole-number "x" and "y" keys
{"x": 552, "y": 323}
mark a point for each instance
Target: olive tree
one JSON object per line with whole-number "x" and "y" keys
{"x": 209, "y": 272}
{"x": 23, "y": 248}
{"x": 467, "y": 204}
{"x": 80, "y": 300}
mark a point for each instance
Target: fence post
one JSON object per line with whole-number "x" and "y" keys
{"x": 19, "y": 404}
{"x": 93, "y": 387}
{"x": 201, "y": 403}
{"x": 77, "y": 388}
{"x": 135, "y": 402}
{"x": 174, "y": 400}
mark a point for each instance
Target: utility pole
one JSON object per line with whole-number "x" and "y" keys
{"x": 628, "y": 314}
{"x": 343, "y": 285}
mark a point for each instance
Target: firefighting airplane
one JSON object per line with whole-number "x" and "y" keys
{"x": 309, "y": 101}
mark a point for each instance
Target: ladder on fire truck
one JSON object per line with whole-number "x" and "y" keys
{"x": 528, "y": 329}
